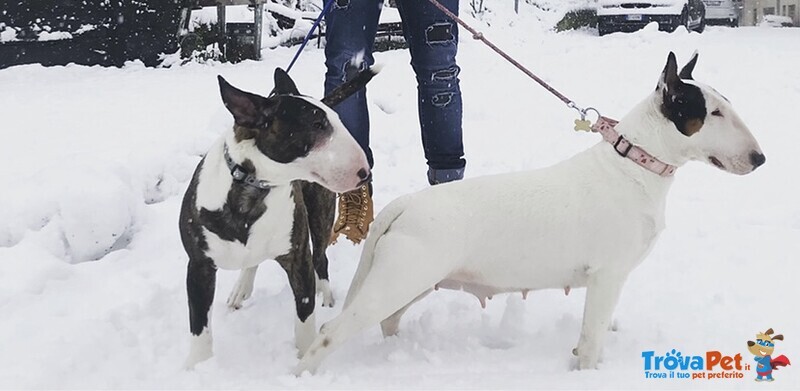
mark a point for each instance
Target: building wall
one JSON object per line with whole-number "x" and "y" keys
{"x": 754, "y": 10}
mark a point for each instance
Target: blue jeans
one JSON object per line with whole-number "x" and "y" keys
{"x": 433, "y": 42}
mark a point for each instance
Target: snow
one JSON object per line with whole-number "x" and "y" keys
{"x": 54, "y": 35}
{"x": 95, "y": 162}
{"x": 8, "y": 34}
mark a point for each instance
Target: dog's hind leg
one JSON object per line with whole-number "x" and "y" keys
{"x": 201, "y": 279}
{"x": 243, "y": 288}
{"x": 402, "y": 271}
{"x": 321, "y": 206}
{"x": 602, "y": 293}
{"x": 390, "y": 325}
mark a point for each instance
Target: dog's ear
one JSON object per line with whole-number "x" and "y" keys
{"x": 769, "y": 331}
{"x": 686, "y": 71}
{"x": 669, "y": 80}
{"x": 351, "y": 86}
{"x": 681, "y": 103}
{"x": 779, "y": 337}
{"x": 284, "y": 85}
{"x": 248, "y": 109}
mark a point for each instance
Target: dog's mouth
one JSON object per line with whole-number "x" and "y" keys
{"x": 716, "y": 162}
{"x": 318, "y": 178}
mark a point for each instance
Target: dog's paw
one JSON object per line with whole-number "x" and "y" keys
{"x": 584, "y": 360}
{"x": 587, "y": 361}
{"x": 199, "y": 350}
{"x": 241, "y": 292}
{"x": 324, "y": 287}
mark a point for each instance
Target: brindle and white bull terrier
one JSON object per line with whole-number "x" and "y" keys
{"x": 258, "y": 193}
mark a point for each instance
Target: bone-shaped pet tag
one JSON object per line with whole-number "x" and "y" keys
{"x": 583, "y": 125}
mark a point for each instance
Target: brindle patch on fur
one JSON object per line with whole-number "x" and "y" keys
{"x": 242, "y": 133}
{"x": 298, "y": 262}
{"x": 201, "y": 271}
{"x": 243, "y": 206}
{"x": 295, "y": 127}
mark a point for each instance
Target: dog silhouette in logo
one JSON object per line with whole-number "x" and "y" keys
{"x": 763, "y": 348}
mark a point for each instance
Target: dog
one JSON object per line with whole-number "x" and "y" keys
{"x": 263, "y": 188}
{"x": 762, "y": 349}
{"x": 585, "y": 222}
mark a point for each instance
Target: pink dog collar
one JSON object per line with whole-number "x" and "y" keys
{"x": 605, "y": 126}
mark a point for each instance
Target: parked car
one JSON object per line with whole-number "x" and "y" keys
{"x": 632, "y": 15}
{"x": 776, "y": 21}
{"x": 721, "y": 12}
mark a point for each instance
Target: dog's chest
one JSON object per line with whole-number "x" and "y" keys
{"x": 252, "y": 225}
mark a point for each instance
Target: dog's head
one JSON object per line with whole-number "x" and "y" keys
{"x": 707, "y": 128}
{"x": 765, "y": 343}
{"x": 289, "y": 136}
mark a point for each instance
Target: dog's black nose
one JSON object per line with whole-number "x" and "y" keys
{"x": 757, "y": 159}
{"x": 365, "y": 177}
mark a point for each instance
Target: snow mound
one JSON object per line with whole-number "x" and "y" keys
{"x": 94, "y": 213}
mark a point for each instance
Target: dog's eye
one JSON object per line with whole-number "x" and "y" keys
{"x": 717, "y": 113}
{"x": 318, "y": 125}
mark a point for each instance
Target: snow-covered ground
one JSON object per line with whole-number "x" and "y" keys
{"x": 95, "y": 161}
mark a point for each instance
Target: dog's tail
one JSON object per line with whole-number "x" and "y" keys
{"x": 381, "y": 225}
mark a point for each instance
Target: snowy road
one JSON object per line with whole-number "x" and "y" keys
{"x": 96, "y": 159}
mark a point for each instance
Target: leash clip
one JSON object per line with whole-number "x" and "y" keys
{"x": 583, "y": 124}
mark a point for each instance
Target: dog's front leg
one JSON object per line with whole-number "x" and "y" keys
{"x": 300, "y": 270}
{"x": 243, "y": 288}
{"x": 302, "y": 280}
{"x": 602, "y": 292}
{"x": 201, "y": 280}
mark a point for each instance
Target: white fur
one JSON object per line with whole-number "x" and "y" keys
{"x": 585, "y": 222}
{"x": 243, "y": 288}
{"x": 337, "y": 161}
{"x": 200, "y": 347}
{"x": 324, "y": 287}
{"x": 304, "y": 333}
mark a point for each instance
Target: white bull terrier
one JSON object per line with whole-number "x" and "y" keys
{"x": 585, "y": 222}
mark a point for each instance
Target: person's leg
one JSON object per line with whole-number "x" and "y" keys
{"x": 350, "y": 33}
{"x": 433, "y": 43}
{"x": 351, "y": 26}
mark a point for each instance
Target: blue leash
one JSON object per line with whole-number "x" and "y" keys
{"x": 310, "y": 32}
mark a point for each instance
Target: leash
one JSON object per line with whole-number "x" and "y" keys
{"x": 581, "y": 124}
{"x": 604, "y": 125}
{"x": 322, "y": 14}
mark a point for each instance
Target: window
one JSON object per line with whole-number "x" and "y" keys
{"x": 769, "y": 11}
{"x": 792, "y": 13}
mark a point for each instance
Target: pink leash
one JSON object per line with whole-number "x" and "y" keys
{"x": 604, "y": 125}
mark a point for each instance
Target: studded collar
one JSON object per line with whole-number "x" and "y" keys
{"x": 239, "y": 174}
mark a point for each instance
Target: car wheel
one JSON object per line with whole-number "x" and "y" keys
{"x": 734, "y": 22}
{"x": 702, "y": 25}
